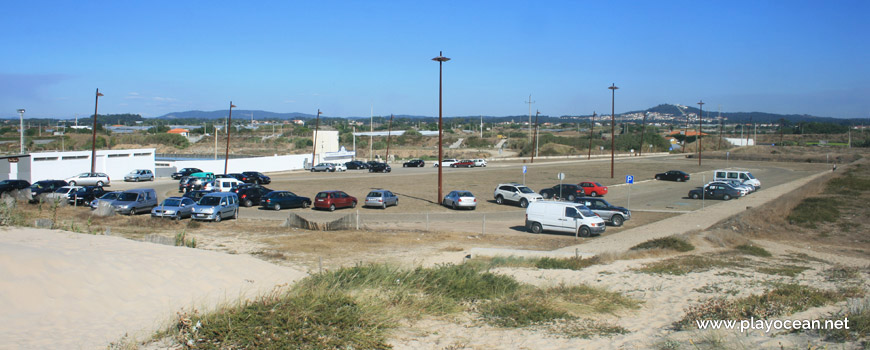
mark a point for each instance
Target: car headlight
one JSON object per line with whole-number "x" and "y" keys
{"x": 169, "y": 212}
{"x": 123, "y": 206}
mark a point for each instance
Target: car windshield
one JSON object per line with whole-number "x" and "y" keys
{"x": 322, "y": 195}
{"x": 63, "y": 190}
{"x": 110, "y": 195}
{"x": 585, "y": 211}
{"x": 464, "y": 194}
{"x": 210, "y": 200}
{"x": 4, "y": 182}
{"x": 599, "y": 185}
{"x": 171, "y": 202}
{"x": 374, "y": 194}
{"x": 128, "y": 196}
{"x": 750, "y": 176}
{"x": 525, "y": 189}
{"x": 36, "y": 186}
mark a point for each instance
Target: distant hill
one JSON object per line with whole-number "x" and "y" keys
{"x": 744, "y": 117}
{"x": 240, "y": 113}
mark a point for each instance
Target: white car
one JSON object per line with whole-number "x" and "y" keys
{"x": 446, "y": 162}
{"x": 563, "y": 217}
{"x": 339, "y": 166}
{"x": 479, "y": 162}
{"x": 517, "y": 193}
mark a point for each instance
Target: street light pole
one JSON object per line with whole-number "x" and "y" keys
{"x": 314, "y": 146}
{"x": 591, "y": 127}
{"x": 389, "y": 136}
{"x": 94, "y": 134}
{"x": 537, "y": 113}
{"x": 642, "y": 130}
{"x": 229, "y": 125}
{"x": 441, "y": 59}
{"x": 21, "y": 115}
{"x": 700, "y": 119}
{"x": 612, "y": 88}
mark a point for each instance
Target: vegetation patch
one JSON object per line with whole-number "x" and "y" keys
{"x": 575, "y": 263}
{"x": 586, "y": 329}
{"x": 583, "y": 299}
{"x": 814, "y": 210}
{"x": 683, "y": 265}
{"x": 666, "y": 243}
{"x": 520, "y": 312}
{"x": 749, "y": 249}
{"x": 782, "y": 300}
{"x": 841, "y": 274}
{"x": 859, "y": 324}
{"x": 783, "y": 270}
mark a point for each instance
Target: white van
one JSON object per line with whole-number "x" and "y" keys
{"x": 226, "y": 184}
{"x": 563, "y": 217}
{"x": 743, "y": 176}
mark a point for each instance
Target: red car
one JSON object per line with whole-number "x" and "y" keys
{"x": 333, "y": 199}
{"x": 463, "y": 164}
{"x": 593, "y": 189}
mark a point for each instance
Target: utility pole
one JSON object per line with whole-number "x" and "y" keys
{"x": 21, "y": 114}
{"x": 613, "y": 89}
{"x": 94, "y": 138}
{"x": 591, "y": 126}
{"x": 700, "y": 120}
{"x": 535, "y": 142}
{"x": 530, "y": 117}
{"x": 389, "y": 133}
{"x": 748, "y": 133}
{"x": 316, "y": 126}
{"x": 229, "y": 123}
{"x": 721, "y": 125}
{"x": 372, "y": 133}
{"x": 481, "y": 126}
{"x": 440, "y": 59}
{"x": 642, "y": 130}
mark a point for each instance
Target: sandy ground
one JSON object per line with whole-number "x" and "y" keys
{"x": 61, "y": 290}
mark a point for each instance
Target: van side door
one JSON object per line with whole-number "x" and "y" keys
{"x": 569, "y": 219}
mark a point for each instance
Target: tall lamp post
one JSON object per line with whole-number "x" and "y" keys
{"x": 316, "y": 126}
{"x": 700, "y": 119}
{"x": 642, "y": 130}
{"x": 441, "y": 59}
{"x": 591, "y": 127}
{"x": 612, "y": 88}
{"x": 537, "y": 113}
{"x": 94, "y": 134}
{"x": 229, "y": 125}
{"x": 21, "y": 115}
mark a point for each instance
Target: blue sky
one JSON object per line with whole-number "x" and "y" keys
{"x": 156, "y": 57}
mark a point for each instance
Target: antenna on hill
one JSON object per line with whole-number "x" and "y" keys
{"x": 530, "y": 116}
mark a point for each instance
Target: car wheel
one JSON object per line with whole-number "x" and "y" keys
{"x": 72, "y": 183}
{"x": 370, "y": 170}
{"x": 658, "y": 177}
{"x": 248, "y": 203}
{"x": 178, "y": 217}
{"x": 304, "y": 204}
{"x": 571, "y": 197}
{"x": 217, "y": 218}
{"x": 235, "y": 214}
{"x": 617, "y": 220}
{"x": 546, "y": 195}
{"x": 99, "y": 184}
{"x": 594, "y": 194}
{"x": 536, "y": 228}
{"x": 332, "y": 207}
{"x": 585, "y": 232}
{"x": 695, "y": 196}
{"x": 136, "y": 179}
{"x": 444, "y": 202}
{"x": 524, "y": 203}
{"x": 726, "y": 197}
{"x": 679, "y": 179}
{"x": 499, "y": 199}
{"x": 404, "y": 165}
{"x": 353, "y": 205}
{"x": 454, "y": 206}
{"x": 384, "y": 206}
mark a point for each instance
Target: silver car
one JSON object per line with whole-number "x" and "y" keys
{"x": 459, "y": 199}
{"x": 174, "y": 208}
{"x": 323, "y": 167}
{"x": 89, "y": 179}
{"x": 108, "y": 197}
{"x": 381, "y": 198}
{"x": 139, "y": 175}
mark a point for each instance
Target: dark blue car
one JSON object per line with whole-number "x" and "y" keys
{"x": 284, "y": 199}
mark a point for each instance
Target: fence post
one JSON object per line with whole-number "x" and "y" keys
{"x": 357, "y": 219}
{"x": 484, "y": 224}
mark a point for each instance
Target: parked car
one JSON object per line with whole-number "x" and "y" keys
{"x": 593, "y": 189}
{"x": 446, "y": 162}
{"x": 238, "y": 176}
{"x": 184, "y": 184}
{"x": 196, "y": 195}
{"x": 198, "y": 181}
{"x": 563, "y": 217}
{"x": 459, "y": 199}
{"x": 216, "y": 206}
{"x": 323, "y": 167}
{"x": 174, "y": 208}
{"x": 284, "y": 199}
{"x": 380, "y": 168}
{"x": 9, "y": 185}
{"x": 480, "y": 162}
{"x": 609, "y": 212}
{"x": 567, "y": 191}
{"x": 107, "y": 197}
{"x": 83, "y": 195}
{"x": 224, "y": 185}
{"x": 89, "y": 179}
{"x": 381, "y": 198}
{"x": 740, "y": 175}
{"x": 139, "y": 175}
{"x": 333, "y": 199}
{"x": 185, "y": 172}
{"x": 250, "y": 194}
{"x": 339, "y": 166}
{"x": 673, "y": 175}
{"x": 40, "y": 188}
{"x": 467, "y": 163}
{"x": 372, "y": 162}
{"x": 740, "y": 185}
{"x": 720, "y": 191}
{"x": 416, "y": 163}
{"x": 516, "y": 193}
{"x": 257, "y": 177}
{"x": 744, "y": 189}
{"x": 136, "y": 201}
{"x": 355, "y": 165}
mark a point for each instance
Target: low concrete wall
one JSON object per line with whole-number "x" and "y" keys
{"x": 236, "y": 165}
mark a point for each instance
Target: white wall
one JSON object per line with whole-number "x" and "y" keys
{"x": 115, "y": 163}
{"x": 237, "y": 165}
{"x": 327, "y": 141}
{"x": 741, "y": 141}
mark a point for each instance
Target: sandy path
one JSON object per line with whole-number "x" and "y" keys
{"x": 61, "y": 290}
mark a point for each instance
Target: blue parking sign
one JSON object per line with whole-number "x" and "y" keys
{"x": 629, "y": 179}
{"x": 524, "y": 169}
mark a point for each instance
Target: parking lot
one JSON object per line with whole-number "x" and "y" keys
{"x": 649, "y": 200}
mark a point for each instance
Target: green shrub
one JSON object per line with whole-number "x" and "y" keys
{"x": 667, "y": 243}
{"x": 814, "y": 210}
{"x": 520, "y": 312}
{"x": 753, "y": 250}
{"x": 574, "y": 263}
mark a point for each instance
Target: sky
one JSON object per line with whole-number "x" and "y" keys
{"x": 353, "y": 58}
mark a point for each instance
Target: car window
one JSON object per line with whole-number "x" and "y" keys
{"x": 322, "y": 195}
{"x": 585, "y": 211}
{"x": 743, "y": 177}
{"x": 209, "y": 200}
{"x": 570, "y": 212}
{"x": 172, "y": 202}
{"x": 732, "y": 175}
{"x": 374, "y": 194}
{"x": 466, "y": 194}
{"x": 127, "y": 197}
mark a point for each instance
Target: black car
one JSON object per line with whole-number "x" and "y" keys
{"x": 185, "y": 172}
{"x": 355, "y": 165}
{"x": 372, "y": 162}
{"x": 46, "y": 186}
{"x": 196, "y": 195}
{"x": 380, "y": 168}
{"x": 85, "y": 194}
{"x": 250, "y": 194}
{"x": 257, "y": 177}
{"x": 567, "y": 191}
{"x": 417, "y": 163}
{"x": 715, "y": 191}
{"x": 241, "y": 177}
{"x": 673, "y": 175}
{"x": 284, "y": 199}
{"x": 9, "y": 185}
{"x": 614, "y": 215}
{"x": 184, "y": 184}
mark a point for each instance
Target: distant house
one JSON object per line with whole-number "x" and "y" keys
{"x": 182, "y": 132}
{"x": 690, "y": 133}
{"x": 299, "y": 122}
